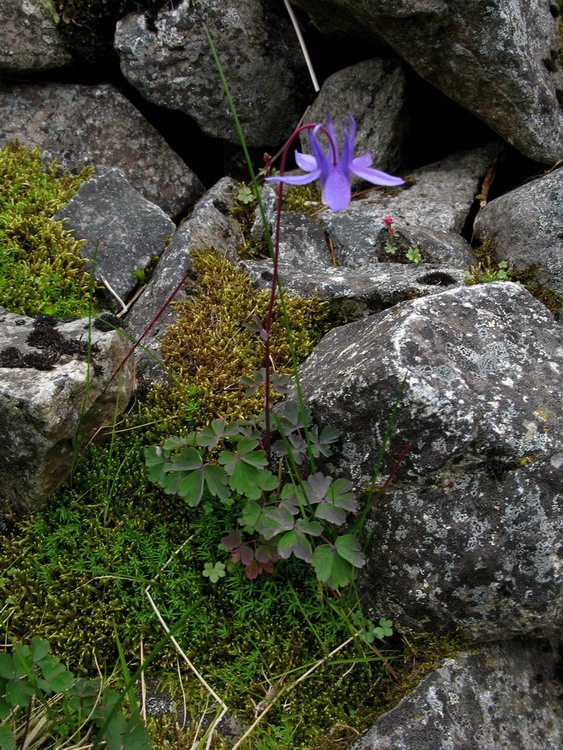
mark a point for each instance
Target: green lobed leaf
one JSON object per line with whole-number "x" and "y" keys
{"x": 191, "y": 487}
{"x": 216, "y": 481}
{"x": 186, "y": 460}
{"x": 7, "y": 739}
{"x": 349, "y": 548}
{"x": 39, "y": 649}
{"x": 19, "y": 692}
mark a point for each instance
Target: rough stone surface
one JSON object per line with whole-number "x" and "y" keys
{"x": 210, "y": 225}
{"x": 374, "y": 92}
{"x": 357, "y": 248}
{"x": 363, "y": 291}
{"x": 438, "y": 196}
{"x": 302, "y": 241}
{"x": 470, "y": 536}
{"x": 504, "y": 696}
{"x": 169, "y": 61}
{"x": 123, "y": 230}
{"x": 44, "y": 378}
{"x": 526, "y": 226}
{"x": 499, "y": 59}
{"x": 80, "y": 125}
{"x": 29, "y": 39}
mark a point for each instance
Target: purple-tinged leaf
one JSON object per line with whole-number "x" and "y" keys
{"x": 232, "y": 540}
{"x": 313, "y": 528}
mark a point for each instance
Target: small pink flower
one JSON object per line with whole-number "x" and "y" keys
{"x": 388, "y": 220}
{"x": 391, "y": 231}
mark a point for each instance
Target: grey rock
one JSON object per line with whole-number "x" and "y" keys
{"x": 80, "y": 125}
{"x": 123, "y": 230}
{"x": 526, "y": 227}
{"x": 170, "y": 63}
{"x": 362, "y": 291}
{"x": 211, "y": 225}
{"x": 374, "y": 93}
{"x": 504, "y": 696}
{"x": 53, "y": 397}
{"x": 471, "y": 535}
{"x": 29, "y": 39}
{"x": 438, "y": 196}
{"x": 302, "y": 242}
{"x": 499, "y": 59}
{"x": 361, "y": 246}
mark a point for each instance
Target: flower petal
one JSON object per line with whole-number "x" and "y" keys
{"x": 364, "y": 160}
{"x": 345, "y": 161}
{"x": 336, "y": 190}
{"x": 305, "y": 161}
{"x": 297, "y": 179}
{"x": 374, "y": 175}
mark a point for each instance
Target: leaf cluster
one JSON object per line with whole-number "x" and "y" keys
{"x": 278, "y": 519}
{"x": 40, "y": 700}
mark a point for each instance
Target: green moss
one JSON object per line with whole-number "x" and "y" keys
{"x": 490, "y": 269}
{"x": 41, "y": 267}
{"x": 209, "y": 348}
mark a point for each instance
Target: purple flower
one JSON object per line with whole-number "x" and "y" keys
{"x": 335, "y": 171}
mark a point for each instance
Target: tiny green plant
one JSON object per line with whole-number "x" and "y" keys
{"x": 414, "y": 255}
{"x": 41, "y": 701}
{"x": 390, "y": 247}
{"x": 485, "y": 272}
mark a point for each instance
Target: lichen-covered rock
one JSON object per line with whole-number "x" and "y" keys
{"x": 80, "y": 125}
{"x": 374, "y": 92}
{"x": 169, "y": 61}
{"x": 499, "y": 59}
{"x": 504, "y": 696}
{"x": 526, "y": 227}
{"x": 124, "y": 232}
{"x": 210, "y": 225}
{"x": 56, "y": 389}
{"x": 29, "y": 39}
{"x": 438, "y": 196}
{"x": 470, "y": 536}
{"x": 361, "y": 291}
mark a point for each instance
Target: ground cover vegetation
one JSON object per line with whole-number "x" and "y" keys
{"x": 41, "y": 266}
{"x": 78, "y": 574}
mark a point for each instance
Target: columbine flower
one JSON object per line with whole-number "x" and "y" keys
{"x": 335, "y": 170}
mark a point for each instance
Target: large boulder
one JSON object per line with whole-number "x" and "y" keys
{"x": 29, "y": 38}
{"x": 526, "y": 228}
{"x": 470, "y": 536}
{"x": 169, "y": 60}
{"x": 504, "y": 696}
{"x": 499, "y": 59}
{"x": 80, "y": 125}
{"x": 124, "y": 233}
{"x": 374, "y": 92}
{"x": 58, "y": 386}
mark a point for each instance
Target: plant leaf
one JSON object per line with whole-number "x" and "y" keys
{"x": 349, "y": 548}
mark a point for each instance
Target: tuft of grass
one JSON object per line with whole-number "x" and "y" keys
{"x": 41, "y": 267}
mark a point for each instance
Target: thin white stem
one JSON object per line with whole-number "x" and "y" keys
{"x": 303, "y": 46}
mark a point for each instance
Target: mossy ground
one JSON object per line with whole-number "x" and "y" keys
{"x": 41, "y": 266}
{"x": 77, "y": 572}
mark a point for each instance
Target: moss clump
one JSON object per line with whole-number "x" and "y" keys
{"x": 209, "y": 348}
{"x": 490, "y": 269}
{"x": 41, "y": 268}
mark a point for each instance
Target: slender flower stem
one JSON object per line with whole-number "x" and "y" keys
{"x": 275, "y": 260}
